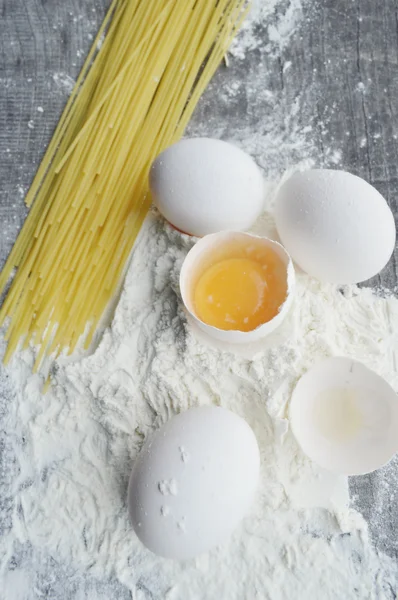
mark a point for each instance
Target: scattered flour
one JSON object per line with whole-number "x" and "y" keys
{"x": 65, "y": 464}
{"x": 168, "y": 487}
{"x": 64, "y": 81}
{"x": 184, "y": 454}
{"x": 278, "y": 32}
{"x": 76, "y": 445}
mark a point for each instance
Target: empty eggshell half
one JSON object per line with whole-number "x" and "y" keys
{"x": 216, "y": 247}
{"x": 204, "y": 185}
{"x": 336, "y": 226}
{"x": 345, "y": 417}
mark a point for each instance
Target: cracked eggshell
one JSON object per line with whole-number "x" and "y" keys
{"x": 336, "y": 226}
{"x": 204, "y": 185}
{"x": 193, "y": 482}
{"x": 345, "y": 417}
{"x": 205, "y": 250}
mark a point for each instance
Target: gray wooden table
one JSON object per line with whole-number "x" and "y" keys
{"x": 344, "y": 75}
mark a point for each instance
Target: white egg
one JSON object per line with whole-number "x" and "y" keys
{"x": 336, "y": 226}
{"x": 345, "y": 417}
{"x": 193, "y": 482}
{"x": 203, "y": 185}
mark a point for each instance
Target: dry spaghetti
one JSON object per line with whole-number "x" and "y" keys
{"x": 133, "y": 98}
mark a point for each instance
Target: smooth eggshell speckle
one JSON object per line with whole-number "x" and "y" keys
{"x": 345, "y": 417}
{"x": 335, "y": 226}
{"x": 203, "y": 185}
{"x": 193, "y": 482}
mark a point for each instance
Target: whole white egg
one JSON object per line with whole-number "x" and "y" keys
{"x": 336, "y": 226}
{"x": 203, "y": 185}
{"x": 193, "y": 481}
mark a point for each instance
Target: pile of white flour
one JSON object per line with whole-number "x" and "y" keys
{"x": 80, "y": 440}
{"x": 71, "y": 451}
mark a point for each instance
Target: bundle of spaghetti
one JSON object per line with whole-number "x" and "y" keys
{"x": 148, "y": 67}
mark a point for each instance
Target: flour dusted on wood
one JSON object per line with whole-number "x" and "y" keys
{"x": 76, "y": 445}
{"x": 279, "y": 31}
{"x": 65, "y": 464}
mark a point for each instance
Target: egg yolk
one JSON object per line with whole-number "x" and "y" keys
{"x": 239, "y": 293}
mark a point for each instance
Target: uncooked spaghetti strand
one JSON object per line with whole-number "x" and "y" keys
{"x": 222, "y": 8}
{"x": 64, "y": 118}
{"x": 124, "y": 148}
{"x": 19, "y": 250}
{"x": 216, "y": 56}
{"x": 202, "y": 25}
{"x": 202, "y": 46}
{"x": 137, "y": 71}
{"x": 105, "y": 194}
{"x": 131, "y": 121}
{"x": 130, "y": 32}
{"x": 134, "y": 55}
{"x": 210, "y": 68}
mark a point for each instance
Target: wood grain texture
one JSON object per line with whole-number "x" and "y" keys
{"x": 344, "y": 79}
{"x": 356, "y": 68}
